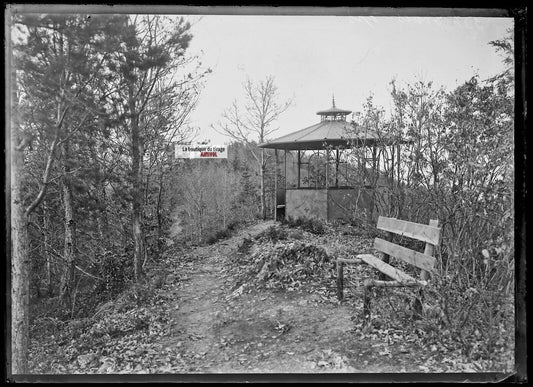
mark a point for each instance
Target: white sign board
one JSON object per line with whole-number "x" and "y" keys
{"x": 201, "y": 151}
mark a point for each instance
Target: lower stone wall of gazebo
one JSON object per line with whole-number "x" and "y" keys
{"x": 335, "y": 203}
{"x": 306, "y": 203}
{"x": 345, "y": 203}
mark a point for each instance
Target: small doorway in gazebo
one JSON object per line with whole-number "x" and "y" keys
{"x": 328, "y": 170}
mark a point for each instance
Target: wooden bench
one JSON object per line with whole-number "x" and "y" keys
{"x": 424, "y": 261}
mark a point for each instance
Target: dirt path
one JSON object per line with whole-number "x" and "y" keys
{"x": 218, "y": 330}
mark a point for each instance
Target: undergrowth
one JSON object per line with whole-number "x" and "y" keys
{"x": 119, "y": 329}
{"x": 312, "y": 225}
{"x": 476, "y": 324}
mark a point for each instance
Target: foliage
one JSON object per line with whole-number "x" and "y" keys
{"x": 273, "y": 234}
{"x": 214, "y": 196}
{"x": 94, "y": 160}
{"x": 312, "y": 225}
{"x": 221, "y": 234}
{"x": 128, "y": 335}
{"x": 115, "y": 272}
{"x": 457, "y": 167}
{"x": 120, "y": 330}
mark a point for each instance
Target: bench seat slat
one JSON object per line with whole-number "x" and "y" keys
{"x": 392, "y": 284}
{"x": 348, "y": 260}
{"x": 422, "y": 261}
{"x": 422, "y": 232}
{"x": 387, "y": 269}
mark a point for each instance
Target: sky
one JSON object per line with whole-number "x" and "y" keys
{"x": 351, "y": 57}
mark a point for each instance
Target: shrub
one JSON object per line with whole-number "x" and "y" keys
{"x": 232, "y": 226}
{"x": 312, "y": 225}
{"x": 245, "y": 246}
{"x": 220, "y": 234}
{"x": 115, "y": 270}
{"x": 273, "y": 233}
{"x": 296, "y": 234}
{"x": 119, "y": 324}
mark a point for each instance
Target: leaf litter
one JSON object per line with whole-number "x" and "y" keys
{"x": 275, "y": 310}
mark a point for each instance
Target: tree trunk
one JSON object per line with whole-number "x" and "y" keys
{"x": 46, "y": 251}
{"x": 20, "y": 268}
{"x": 136, "y": 151}
{"x": 69, "y": 254}
{"x": 138, "y": 237}
{"x": 20, "y": 272}
{"x": 20, "y": 242}
{"x": 101, "y": 216}
{"x": 102, "y": 221}
{"x": 158, "y": 212}
{"x": 201, "y": 217}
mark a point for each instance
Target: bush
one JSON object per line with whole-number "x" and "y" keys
{"x": 119, "y": 324}
{"x": 232, "y": 226}
{"x": 312, "y": 225}
{"x": 245, "y": 246}
{"x": 296, "y": 234}
{"x": 115, "y": 270}
{"x": 273, "y": 233}
{"x": 478, "y": 321}
{"x": 220, "y": 234}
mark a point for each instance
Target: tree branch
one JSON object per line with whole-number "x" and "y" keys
{"x": 48, "y": 169}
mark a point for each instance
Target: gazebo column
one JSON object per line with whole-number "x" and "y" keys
{"x": 327, "y": 169}
{"x": 285, "y": 174}
{"x": 276, "y": 187}
{"x": 337, "y": 168}
{"x": 299, "y": 165}
{"x": 316, "y": 169}
{"x": 285, "y": 190}
{"x": 327, "y": 184}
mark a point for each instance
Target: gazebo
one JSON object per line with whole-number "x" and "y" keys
{"x": 319, "y": 180}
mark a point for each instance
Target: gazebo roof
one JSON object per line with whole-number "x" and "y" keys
{"x": 333, "y": 111}
{"x": 334, "y": 133}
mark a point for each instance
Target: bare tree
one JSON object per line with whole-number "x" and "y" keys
{"x": 261, "y": 110}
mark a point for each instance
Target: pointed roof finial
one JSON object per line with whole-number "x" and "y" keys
{"x": 333, "y": 100}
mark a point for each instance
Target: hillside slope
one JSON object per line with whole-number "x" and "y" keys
{"x": 262, "y": 301}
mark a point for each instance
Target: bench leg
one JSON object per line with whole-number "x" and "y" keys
{"x": 417, "y": 305}
{"x": 340, "y": 280}
{"x": 366, "y": 302}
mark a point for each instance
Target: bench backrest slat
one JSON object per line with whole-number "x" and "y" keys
{"x": 387, "y": 269}
{"x": 422, "y": 261}
{"x": 422, "y": 232}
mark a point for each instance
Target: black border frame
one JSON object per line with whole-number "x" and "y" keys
{"x": 515, "y": 10}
